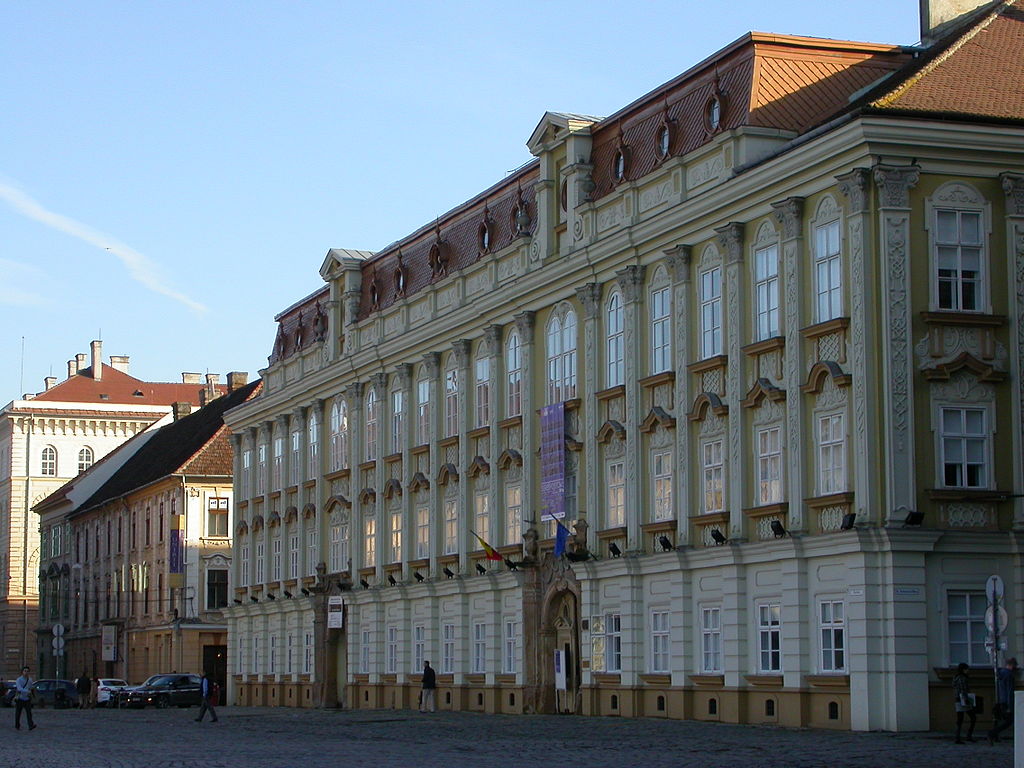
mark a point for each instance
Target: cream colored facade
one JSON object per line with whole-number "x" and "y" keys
{"x": 761, "y": 345}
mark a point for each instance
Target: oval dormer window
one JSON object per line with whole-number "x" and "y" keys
{"x": 484, "y": 237}
{"x": 714, "y": 113}
{"x": 400, "y": 281}
{"x": 664, "y": 141}
{"x": 619, "y": 166}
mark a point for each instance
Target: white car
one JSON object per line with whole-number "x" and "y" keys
{"x": 107, "y": 691}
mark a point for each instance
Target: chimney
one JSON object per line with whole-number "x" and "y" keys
{"x": 97, "y": 360}
{"x": 180, "y": 410}
{"x": 191, "y": 378}
{"x": 237, "y": 380}
{"x": 72, "y": 368}
{"x": 204, "y": 398}
{"x": 79, "y": 363}
{"x": 50, "y": 382}
{"x": 211, "y": 386}
{"x": 938, "y": 15}
{"x": 119, "y": 363}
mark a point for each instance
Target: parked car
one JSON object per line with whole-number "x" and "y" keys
{"x": 55, "y": 693}
{"x": 107, "y": 691}
{"x": 7, "y": 697}
{"x": 167, "y": 691}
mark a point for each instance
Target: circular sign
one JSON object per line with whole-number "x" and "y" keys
{"x": 58, "y": 643}
{"x": 58, "y": 630}
{"x": 1003, "y": 619}
{"x": 994, "y": 588}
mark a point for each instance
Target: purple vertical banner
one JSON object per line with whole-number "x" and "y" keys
{"x": 176, "y": 552}
{"x": 552, "y": 461}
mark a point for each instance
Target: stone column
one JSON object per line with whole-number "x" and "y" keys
{"x": 1013, "y": 186}
{"x": 432, "y": 365}
{"x": 587, "y": 494}
{"x": 463, "y": 354}
{"x": 525, "y": 324}
{"x": 730, "y": 239}
{"x": 403, "y": 376}
{"x": 492, "y": 346}
{"x": 376, "y": 480}
{"x": 894, "y": 185}
{"x": 354, "y": 394}
{"x": 631, "y": 282}
{"x": 678, "y": 259}
{"x": 789, "y": 213}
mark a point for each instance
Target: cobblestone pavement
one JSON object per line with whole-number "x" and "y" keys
{"x": 283, "y": 738}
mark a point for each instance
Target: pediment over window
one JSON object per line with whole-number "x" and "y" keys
{"x": 65, "y": 570}
{"x": 965, "y": 360}
{"x": 419, "y": 482}
{"x": 392, "y": 488}
{"x": 509, "y": 458}
{"x": 367, "y": 496}
{"x": 819, "y": 372}
{"x": 447, "y": 472}
{"x": 309, "y": 510}
{"x": 478, "y": 466}
{"x": 257, "y": 523}
{"x": 763, "y": 389}
{"x": 53, "y": 570}
{"x": 706, "y": 400}
{"x": 657, "y": 417}
{"x": 291, "y": 514}
{"x": 242, "y": 528}
{"x": 336, "y": 501}
{"x": 273, "y": 520}
{"x": 609, "y": 430}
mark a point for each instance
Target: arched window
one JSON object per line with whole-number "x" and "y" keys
{"x": 48, "y": 467}
{"x": 451, "y": 399}
{"x": 514, "y": 364}
{"x": 372, "y": 412}
{"x": 561, "y": 341}
{"x": 85, "y": 459}
{"x": 339, "y": 434}
{"x": 313, "y": 435}
{"x": 616, "y": 340}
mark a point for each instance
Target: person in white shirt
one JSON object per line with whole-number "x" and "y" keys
{"x": 23, "y": 699}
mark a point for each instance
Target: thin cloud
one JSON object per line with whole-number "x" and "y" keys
{"x": 140, "y": 267}
{"x": 14, "y": 279}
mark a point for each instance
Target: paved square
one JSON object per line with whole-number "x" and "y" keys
{"x": 286, "y": 738}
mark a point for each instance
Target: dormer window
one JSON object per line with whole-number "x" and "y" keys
{"x": 438, "y": 260}
{"x": 484, "y": 237}
{"x": 713, "y": 113}
{"x": 564, "y": 196}
{"x": 400, "y": 282}
{"x": 619, "y": 165}
{"x": 375, "y": 294}
{"x": 664, "y": 140}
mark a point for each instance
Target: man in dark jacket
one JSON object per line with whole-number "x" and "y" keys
{"x": 206, "y": 689}
{"x": 1006, "y": 681}
{"x": 427, "y": 703}
{"x": 83, "y": 685}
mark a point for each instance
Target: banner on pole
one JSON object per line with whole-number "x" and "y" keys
{"x": 552, "y": 461}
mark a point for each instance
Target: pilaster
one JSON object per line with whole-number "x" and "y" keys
{"x": 730, "y": 240}
{"x": 631, "y": 282}
{"x": 589, "y": 296}
{"x": 462, "y": 349}
{"x": 1013, "y": 186}
{"x": 679, "y": 259}
{"x": 432, "y": 367}
{"x": 525, "y": 325}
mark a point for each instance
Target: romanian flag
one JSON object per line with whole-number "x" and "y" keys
{"x": 492, "y": 553}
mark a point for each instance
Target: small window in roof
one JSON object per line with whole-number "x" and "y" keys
{"x": 713, "y": 113}
{"x": 137, "y": 393}
{"x": 664, "y": 140}
{"x": 619, "y": 165}
{"x": 104, "y": 397}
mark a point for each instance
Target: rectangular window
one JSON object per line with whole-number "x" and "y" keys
{"x": 510, "y": 655}
{"x": 257, "y": 667}
{"x": 370, "y": 428}
{"x": 965, "y": 448}
{"x": 275, "y": 573}
{"x": 711, "y": 639}
{"x": 261, "y": 562}
{"x": 397, "y": 421}
{"x": 958, "y": 257}
{"x": 447, "y": 649}
{"x": 261, "y": 469}
{"x": 828, "y": 272}
{"x": 482, "y": 517}
{"x": 769, "y": 466}
{"x": 615, "y": 347}
{"x": 369, "y": 541}
{"x": 833, "y": 645}
{"x": 339, "y": 546}
{"x": 451, "y": 402}
{"x": 616, "y": 494}
{"x": 967, "y": 630}
{"x": 295, "y": 458}
{"x": 831, "y": 454}
{"x": 479, "y": 648}
{"x": 711, "y": 313}
{"x": 293, "y": 556}
{"x": 290, "y": 658}
{"x": 364, "y": 652}
{"x": 661, "y": 330}
{"x": 243, "y": 566}
{"x": 396, "y": 537}
{"x": 713, "y": 476}
{"x": 422, "y": 532}
{"x": 419, "y": 647}
{"x": 514, "y": 360}
{"x": 766, "y": 291}
{"x": 423, "y": 412}
{"x": 313, "y": 446}
{"x": 483, "y": 392}
{"x": 216, "y": 589}
{"x": 451, "y": 527}
{"x": 613, "y": 642}
{"x": 217, "y": 516}
{"x": 277, "y": 468}
{"x": 662, "y": 491}
{"x": 313, "y": 550}
{"x": 391, "y": 655}
{"x": 273, "y": 654}
{"x": 513, "y": 514}
{"x": 659, "y": 641}
{"x": 307, "y": 656}
{"x": 769, "y": 637}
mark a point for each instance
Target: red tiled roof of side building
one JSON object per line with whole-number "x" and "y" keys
{"x": 975, "y": 71}
{"x": 118, "y": 387}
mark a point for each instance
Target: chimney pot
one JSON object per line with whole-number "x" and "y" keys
{"x": 72, "y": 368}
{"x": 180, "y": 410}
{"x": 191, "y": 378}
{"x": 237, "y": 380}
{"x": 204, "y": 397}
{"x": 50, "y": 382}
{"x": 79, "y": 362}
{"x": 119, "y": 363}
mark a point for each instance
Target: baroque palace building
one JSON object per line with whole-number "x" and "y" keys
{"x": 757, "y": 335}
{"x": 48, "y": 438}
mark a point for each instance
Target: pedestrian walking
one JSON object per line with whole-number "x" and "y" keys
{"x": 83, "y": 685}
{"x": 1006, "y": 682}
{"x": 427, "y": 703}
{"x": 964, "y": 702}
{"x": 206, "y": 705}
{"x": 23, "y": 699}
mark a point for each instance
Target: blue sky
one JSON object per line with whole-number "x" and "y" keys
{"x": 173, "y": 173}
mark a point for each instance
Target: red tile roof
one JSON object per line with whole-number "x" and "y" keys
{"x": 120, "y": 388}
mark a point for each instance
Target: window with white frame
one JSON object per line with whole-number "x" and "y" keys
{"x": 833, "y": 635}
{"x": 277, "y": 464}
{"x": 339, "y": 545}
{"x": 339, "y": 434}
{"x": 370, "y": 428}
{"x": 959, "y": 251}
{"x": 713, "y": 476}
{"x": 766, "y": 291}
{"x": 275, "y": 572}
{"x": 216, "y": 516}
{"x": 661, "y": 464}
{"x": 482, "y": 516}
{"x": 769, "y": 637}
{"x": 514, "y": 366}
{"x": 711, "y": 639}
{"x": 293, "y": 468}
{"x": 711, "y": 313}
{"x": 85, "y": 459}
{"x": 661, "y": 329}
{"x": 313, "y": 550}
{"x": 422, "y": 532}
{"x": 513, "y": 514}
{"x": 509, "y": 662}
{"x": 261, "y": 469}
{"x": 769, "y": 465}
{"x": 261, "y": 562}
{"x": 313, "y": 445}
{"x": 369, "y": 541}
{"x": 479, "y": 648}
{"x": 447, "y": 649}
{"x": 419, "y": 647}
{"x": 396, "y": 537}
{"x": 364, "y": 652}
{"x": 293, "y": 555}
{"x": 246, "y": 472}
{"x": 483, "y": 391}
{"x": 659, "y": 642}
{"x": 965, "y": 447}
{"x": 616, "y": 480}
{"x": 561, "y": 357}
{"x": 451, "y": 527}
{"x": 613, "y": 642}
{"x": 273, "y": 655}
{"x": 307, "y": 657}
{"x": 615, "y": 341}
{"x": 243, "y": 566}
{"x": 290, "y": 654}
{"x": 828, "y": 272}
{"x": 423, "y": 411}
{"x": 451, "y": 400}
{"x": 391, "y": 651}
{"x": 397, "y": 421}
{"x": 48, "y": 465}
{"x": 257, "y": 667}
{"x": 966, "y": 626}
{"x": 831, "y": 454}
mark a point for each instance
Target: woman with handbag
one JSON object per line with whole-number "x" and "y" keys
{"x": 964, "y": 701}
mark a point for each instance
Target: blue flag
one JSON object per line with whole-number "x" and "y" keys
{"x": 561, "y": 536}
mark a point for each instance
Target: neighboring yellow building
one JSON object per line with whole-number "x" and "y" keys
{"x": 758, "y": 335}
